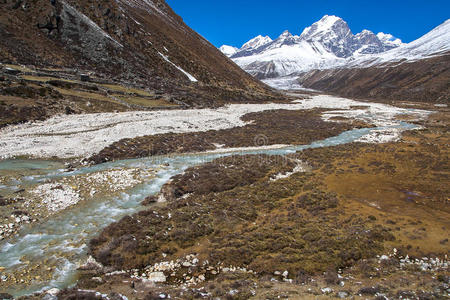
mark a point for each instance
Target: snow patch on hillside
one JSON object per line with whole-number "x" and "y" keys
{"x": 191, "y": 78}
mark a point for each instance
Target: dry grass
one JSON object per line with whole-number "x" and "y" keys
{"x": 145, "y": 101}
{"x": 85, "y": 95}
{"x": 127, "y": 90}
{"x": 46, "y": 78}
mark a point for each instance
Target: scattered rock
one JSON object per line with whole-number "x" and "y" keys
{"x": 326, "y": 290}
{"x": 343, "y": 294}
{"x": 157, "y": 277}
{"x": 369, "y": 290}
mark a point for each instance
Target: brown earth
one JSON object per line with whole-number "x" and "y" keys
{"x": 230, "y": 211}
{"x": 425, "y": 80}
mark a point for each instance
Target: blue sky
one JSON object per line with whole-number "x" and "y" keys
{"x": 234, "y": 22}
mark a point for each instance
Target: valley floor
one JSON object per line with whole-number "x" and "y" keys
{"x": 80, "y": 136}
{"x": 364, "y": 219}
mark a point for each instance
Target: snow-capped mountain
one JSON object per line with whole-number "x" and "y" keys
{"x": 256, "y": 42}
{"x": 434, "y": 43}
{"x": 251, "y": 47}
{"x": 417, "y": 71}
{"x": 327, "y": 43}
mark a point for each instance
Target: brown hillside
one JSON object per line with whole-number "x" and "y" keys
{"x": 124, "y": 41}
{"x": 426, "y": 80}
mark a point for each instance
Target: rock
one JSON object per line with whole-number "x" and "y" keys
{"x": 285, "y": 274}
{"x": 186, "y": 264}
{"x": 157, "y": 277}
{"x": 85, "y": 78}
{"x": 6, "y": 296}
{"x": 342, "y": 294}
{"x": 53, "y": 291}
{"x": 326, "y": 290}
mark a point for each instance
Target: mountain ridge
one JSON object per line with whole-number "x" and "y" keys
{"x": 138, "y": 43}
{"x": 327, "y": 42}
{"x": 328, "y": 57}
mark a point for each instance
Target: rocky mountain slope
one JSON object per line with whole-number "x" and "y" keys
{"x": 137, "y": 43}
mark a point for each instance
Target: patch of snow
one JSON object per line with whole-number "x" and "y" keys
{"x": 191, "y": 78}
{"x": 299, "y": 168}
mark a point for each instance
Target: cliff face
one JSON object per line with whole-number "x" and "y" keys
{"x": 138, "y": 41}
{"x": 425, "y": 80}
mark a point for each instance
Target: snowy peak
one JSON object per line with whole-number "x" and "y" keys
{"x": 328, "y": 25}
{"x": 333, "y": 34}
{"x": 256, "y": 42}
{"x": 286, "y": 38}
{"x": 285, "y": 35}
{"x": 228, "y": 50}
{"x": 369, "y": 43}
{"x": 389, "y": 40}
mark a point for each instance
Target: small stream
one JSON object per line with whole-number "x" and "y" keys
{"x": 61, "y": 241}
